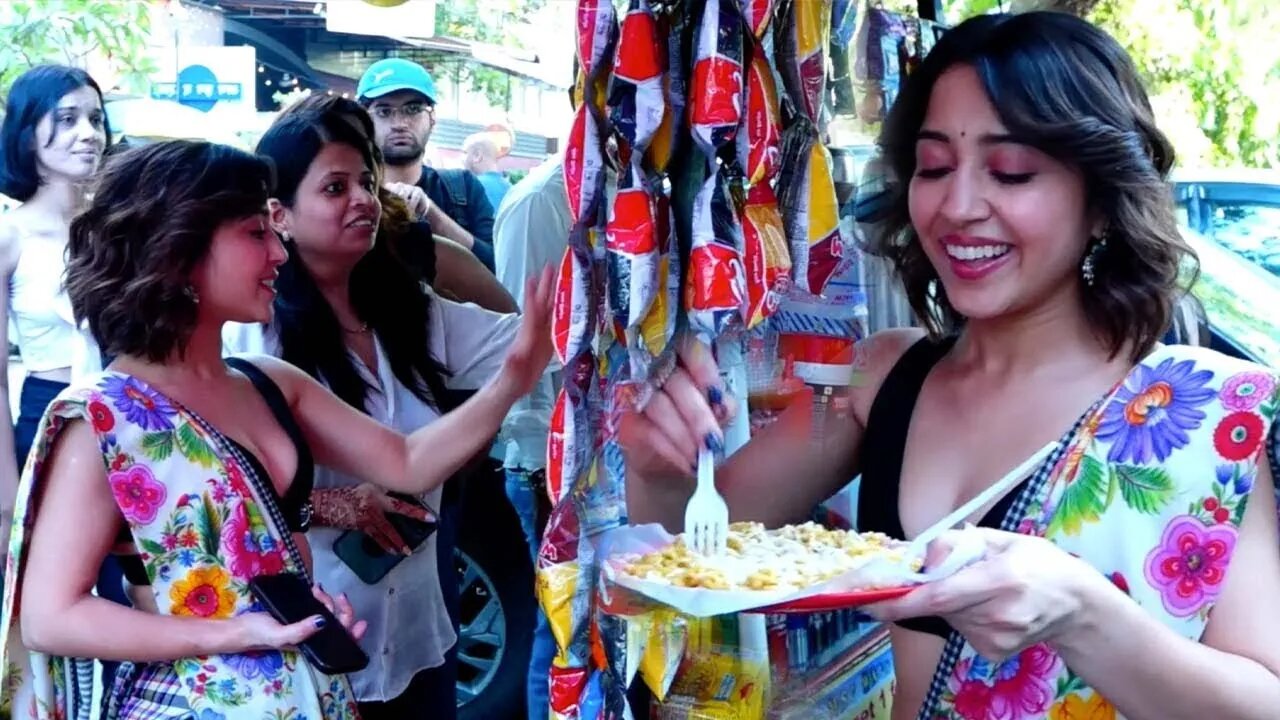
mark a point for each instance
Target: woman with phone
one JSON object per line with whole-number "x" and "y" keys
{"x": 360, "y": 321}
{"x": 198, "y": 471}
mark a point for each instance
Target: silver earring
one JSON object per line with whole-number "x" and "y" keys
{"x": 1088, "y": 268}
{"x": 191, "y": 294}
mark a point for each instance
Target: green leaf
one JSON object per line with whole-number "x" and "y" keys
{"x": 194, "y": 447}
{"x": 1145, "y": 489}
{"x": 153, "y": 548}
{"x": 208, "y": 524}
{"x": 1083, "y": 500}
{"x": 158, "y": 445}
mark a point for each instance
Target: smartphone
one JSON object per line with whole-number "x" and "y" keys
{"x": 288, "y": 598}
{"x": 365, "y": 556}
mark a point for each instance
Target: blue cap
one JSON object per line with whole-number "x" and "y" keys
{"x": 395, "y": 74}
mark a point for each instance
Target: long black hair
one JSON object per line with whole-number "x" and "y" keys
{"x": 1068, "y": 89}
{"x": 386, "y": 293}
{"x": 33, "y": 95}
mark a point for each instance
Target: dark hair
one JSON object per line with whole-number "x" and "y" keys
{"x": 1068, "y": 89}
{"x": 385, "y": 292}
{"x": 152, "y": 219}
{"x": 33, "y": 95}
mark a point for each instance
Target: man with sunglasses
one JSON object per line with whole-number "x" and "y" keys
{"x": 401, "y": 97}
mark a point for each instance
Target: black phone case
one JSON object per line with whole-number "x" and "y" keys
{"x": 288, "y": 598}
{"x": 365, "y": 556}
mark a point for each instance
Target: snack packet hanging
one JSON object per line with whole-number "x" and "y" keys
{"x": 583, "y": 166}
{"x": 765, "y": 257}
{"x": 715, "y": 288}
{"x": 807, "y": 199}
{"x": 636, "y": 96}
{"x": 573, "y": 310}
{"x": 569, "y": 440}
{"x": 877, "y": 64}
{"x": 802, "y": 54}
{"x": 597, "y": 23}
{"x": 758, "y": 139}
{"x": 659, "y": 324}
{"x": 757, "y": 14}
{"x": 716, "y": 90}
{"x": 632, "y": 244}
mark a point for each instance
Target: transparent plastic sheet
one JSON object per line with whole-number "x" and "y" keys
{"x": 723, "y": 674}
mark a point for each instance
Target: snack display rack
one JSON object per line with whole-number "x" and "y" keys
{"x": 713, "y": 192}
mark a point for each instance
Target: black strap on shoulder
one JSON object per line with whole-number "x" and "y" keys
{"x": 885, "y": 440}
{"x": 279, "y": 406}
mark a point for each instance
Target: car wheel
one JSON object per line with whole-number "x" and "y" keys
{"x": 496, "y": 610}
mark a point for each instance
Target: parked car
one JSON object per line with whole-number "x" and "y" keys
{"x": 1232, "y": 219}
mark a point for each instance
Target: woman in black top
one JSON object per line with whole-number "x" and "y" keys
{"x": 1035, "y": 233}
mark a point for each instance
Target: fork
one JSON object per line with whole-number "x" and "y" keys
{"x": 706, "y": 517}
{"x": 997, "y": 488}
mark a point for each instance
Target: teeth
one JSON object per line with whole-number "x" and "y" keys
{"x": 976, "y": 252}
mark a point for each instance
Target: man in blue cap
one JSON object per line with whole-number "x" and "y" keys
{"x": 401, "y": 97}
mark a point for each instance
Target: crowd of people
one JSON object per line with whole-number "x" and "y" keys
{"x": 237, "y": 361}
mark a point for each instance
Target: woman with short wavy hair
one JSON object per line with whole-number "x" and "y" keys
{"x": 1133, "y": 573}
{"x": 197, "y": 471}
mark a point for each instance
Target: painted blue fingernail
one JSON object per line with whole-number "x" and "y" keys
{"x": 714, "y": 396}
{"x": 321, "y": 622}
{"x": 714, "y": 443}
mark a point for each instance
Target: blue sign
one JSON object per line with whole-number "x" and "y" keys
{"x": 197, "y": 87}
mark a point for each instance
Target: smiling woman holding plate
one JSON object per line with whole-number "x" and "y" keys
{"x": 1033, "y": 228}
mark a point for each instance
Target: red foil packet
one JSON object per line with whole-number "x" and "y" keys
{"x": 715, "y": 94}
{"x": 758, "y": 13}
{"x": 715, "y": 286}
{"x": 759, "y": 137}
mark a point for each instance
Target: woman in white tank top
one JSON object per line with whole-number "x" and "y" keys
{"x": 51, "y": 144}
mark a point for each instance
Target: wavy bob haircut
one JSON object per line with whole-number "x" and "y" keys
{"x": 1068, "y": 89}
{"x": 152, "y": 219}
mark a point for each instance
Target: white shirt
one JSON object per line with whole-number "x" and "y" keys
{"x": 531, "y": 231}
{"x": 409, "y": 629}
{"x": 40, "y": 316}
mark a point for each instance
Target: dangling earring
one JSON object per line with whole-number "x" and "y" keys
{"x": 191, "y": 294}
{"x": 1088, "y": 268}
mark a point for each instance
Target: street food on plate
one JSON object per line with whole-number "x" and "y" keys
{"x": 790, "y": 557}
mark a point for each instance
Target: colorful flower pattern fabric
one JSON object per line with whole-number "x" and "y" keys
{"x": 203, "y": 528}
{"x": 1151, "y": 492}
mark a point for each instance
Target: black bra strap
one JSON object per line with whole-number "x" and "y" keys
{"x": 885, "y": 440}
{"x": 280, "y": 409}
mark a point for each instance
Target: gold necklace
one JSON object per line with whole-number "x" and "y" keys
{"x": 364, "y": 330}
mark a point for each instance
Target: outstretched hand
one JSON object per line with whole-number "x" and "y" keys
{"x": 531, "y": 351}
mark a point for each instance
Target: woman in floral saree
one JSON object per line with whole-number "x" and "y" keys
{"x": 196, "y": 470}
{"x": 1135, "y": 573}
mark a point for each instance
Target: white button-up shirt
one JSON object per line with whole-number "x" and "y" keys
{"x": 409, "y": 629}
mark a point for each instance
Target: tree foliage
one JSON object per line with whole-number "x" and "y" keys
{"x": 1212, "y": 69}
{"x": 492, "y": 22}
{"x": 70, "y": 32}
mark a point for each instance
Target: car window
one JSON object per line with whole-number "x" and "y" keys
{"x": 1240, "y": 273}
{"x": 1252, "y": 231}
